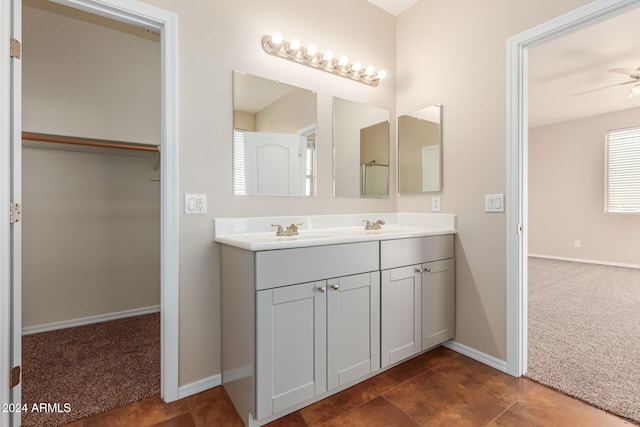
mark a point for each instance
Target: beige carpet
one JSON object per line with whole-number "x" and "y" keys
{"x": 584, "y": 332}
{"x": 92, "y": 368}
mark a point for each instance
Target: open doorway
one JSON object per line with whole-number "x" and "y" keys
{"x": 583, "y": 264}
{"x": 536, "y": 206}
{"x": 140, "y": 15}
{"x": 91, "y": 233}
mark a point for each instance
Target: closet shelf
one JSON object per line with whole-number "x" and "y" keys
{"x": 88, "y": 142}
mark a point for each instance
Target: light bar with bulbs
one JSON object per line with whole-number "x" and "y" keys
{"x": 325, "y": 61}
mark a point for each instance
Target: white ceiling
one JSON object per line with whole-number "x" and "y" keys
{"x": 579, "y": 62}
{"x": 394, "y": 7}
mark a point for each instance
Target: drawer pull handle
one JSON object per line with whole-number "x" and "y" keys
{"x": 322, "y": 289}
{"x": 335, "y": 287}
{"x": 428, "y": 269}
{"x": 419, "y": 270}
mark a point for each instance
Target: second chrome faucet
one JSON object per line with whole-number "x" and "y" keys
{"x": 373, "y": 226}
{"x": 291, "y": 230}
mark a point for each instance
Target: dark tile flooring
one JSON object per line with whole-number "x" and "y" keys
{"x": 438, "y": 388}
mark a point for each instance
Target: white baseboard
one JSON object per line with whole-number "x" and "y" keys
{"x": 89, "y": 320}
{"x": 586, "y": 261}
{"x": 199, "y": 386}
{"x": 481, "y": 357}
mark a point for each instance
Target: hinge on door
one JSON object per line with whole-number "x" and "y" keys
{"x": 15, "y": 376}
{"x": 519, "y": 228}
{"x": 15, "y": 49}
{"x": 16, "y": 213}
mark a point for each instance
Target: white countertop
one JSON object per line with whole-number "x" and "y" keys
{"x": 328, "y": 229}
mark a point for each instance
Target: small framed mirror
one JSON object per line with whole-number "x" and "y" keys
{"x": 420, "y": 151}
{"x": 360, "y": 150}
{"x": 274, "y": 138}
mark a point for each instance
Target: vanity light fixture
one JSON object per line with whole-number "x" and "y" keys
{"x": 326, "y": 61}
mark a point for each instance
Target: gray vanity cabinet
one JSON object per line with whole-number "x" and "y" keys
{"x": 438, "y": 302}
{"x": 297, "y": 323}
{"x": 314, "y": 337}
{"x": 418, "y": 295}
{"x": 292, "y": 346}
{"x": 353, "y": 328}
{"x": 401, "y": 319}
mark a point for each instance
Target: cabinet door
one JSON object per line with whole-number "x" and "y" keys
{"x": 401, "y": 317}
{"x": 291, "y": 346}
{"x": 438, "y": 302}
{"x": 353, "y": 319}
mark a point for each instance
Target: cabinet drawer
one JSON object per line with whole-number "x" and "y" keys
{"x": 290, "y": 266}
{"x": 401, "y": 252}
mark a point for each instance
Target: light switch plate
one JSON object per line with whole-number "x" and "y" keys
{"x": 494, "y": 202}
{"x": 195, "y": 204}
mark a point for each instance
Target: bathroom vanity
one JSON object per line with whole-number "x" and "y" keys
{"x": 306, "y": 316}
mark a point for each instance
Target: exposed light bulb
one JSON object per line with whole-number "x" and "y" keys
{"x": 294, "y": 44}
{"x": 292, "y": 50}
{"x": 312, "y": 50}
{"x": 276, "y": 38}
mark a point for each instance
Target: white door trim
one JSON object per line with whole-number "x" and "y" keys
{"x": 517, "y": 148}
{"x": 140, "y": 14}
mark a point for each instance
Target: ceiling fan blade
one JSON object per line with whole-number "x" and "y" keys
{"x": 628, "y": 71}
{"x": 606, "y": 87}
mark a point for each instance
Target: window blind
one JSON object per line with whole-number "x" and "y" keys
{"x": 239, "y": 174}
{"x": 623, "y": 171}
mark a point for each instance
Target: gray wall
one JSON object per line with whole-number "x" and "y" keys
{"x": 91, "y": 234}
{"x": 566, "y": 192}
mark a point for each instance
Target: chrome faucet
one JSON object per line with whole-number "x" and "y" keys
{"x": 292, "y": 230}
{"x": 378, "y": 224}
{"x": 279, "y": 231}
{"x": 375, "y": 226}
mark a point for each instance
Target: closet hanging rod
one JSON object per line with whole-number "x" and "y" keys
{"x": 82, "y": 141}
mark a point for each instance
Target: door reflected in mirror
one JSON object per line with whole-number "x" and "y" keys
{"x": 274, "y": 138}
{"x": 420, "y": 151}
{"x": 361, "y": 150}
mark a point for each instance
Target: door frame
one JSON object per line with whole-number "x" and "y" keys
{"x": 517, "y": 158}
{"x": 166, "y": 23}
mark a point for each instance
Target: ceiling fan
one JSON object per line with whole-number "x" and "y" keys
{"x": 635, "y": 78}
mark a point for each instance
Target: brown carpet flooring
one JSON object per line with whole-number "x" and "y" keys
{"x": 584, "y": 332}
{"x": 93, "y": 368}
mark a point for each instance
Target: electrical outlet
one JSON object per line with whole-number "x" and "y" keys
{"x": 435, "y": 204}
{"x": 195, "y": 204}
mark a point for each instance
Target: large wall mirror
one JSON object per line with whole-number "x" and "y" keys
{"x": 274, "y": 138}
{"x": 360, "y": 150}
{"x": 420, "y": 151}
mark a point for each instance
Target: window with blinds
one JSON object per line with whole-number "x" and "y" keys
{"x": 239, "y": 174}
{"x": 622, "y": 184}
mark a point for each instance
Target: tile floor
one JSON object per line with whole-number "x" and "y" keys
{"x": 438, "y": 388}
